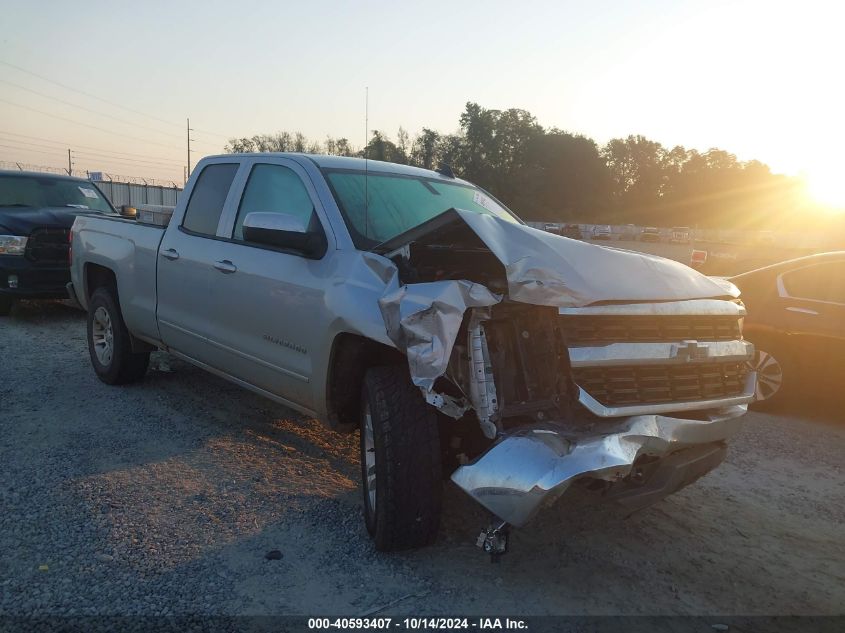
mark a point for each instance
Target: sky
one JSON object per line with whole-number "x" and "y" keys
{"x": 115, "y": 81}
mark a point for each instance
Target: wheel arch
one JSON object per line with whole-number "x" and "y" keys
{"x": 350, "y": 357}
{"x": 99, "y": 276}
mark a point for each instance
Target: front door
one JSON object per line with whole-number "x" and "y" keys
{"x": 270, "y": 314}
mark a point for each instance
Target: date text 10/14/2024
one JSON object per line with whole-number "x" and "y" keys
{"x": 421, "y": 623}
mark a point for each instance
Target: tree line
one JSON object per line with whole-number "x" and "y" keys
{"x": 553, "y": 175}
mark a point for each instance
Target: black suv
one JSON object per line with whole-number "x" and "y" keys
{"x": 36, "y": 213}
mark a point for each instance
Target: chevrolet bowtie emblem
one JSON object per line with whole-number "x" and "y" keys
{"x": 692, "y": 350}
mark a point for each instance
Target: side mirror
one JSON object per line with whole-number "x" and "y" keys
{"x": 286, "y": 231}
{"x": 128, "y": 211}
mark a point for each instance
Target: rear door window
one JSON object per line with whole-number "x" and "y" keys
{"x": 822, "y": 282}
{"x": 208, "y": 197}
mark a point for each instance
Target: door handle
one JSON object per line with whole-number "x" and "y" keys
{"x": 170, "y": 253}
{"x": 225, "y": 266}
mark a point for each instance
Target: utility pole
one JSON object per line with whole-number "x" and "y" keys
{"x": 69, "y": 164}
{"x": 366, "y": 120}
{"x": 189, "y": 149}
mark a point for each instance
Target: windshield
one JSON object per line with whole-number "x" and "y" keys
{"x": 398, "y": 202}
{"x": 46, "y": 191}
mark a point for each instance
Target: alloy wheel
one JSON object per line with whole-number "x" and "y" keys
{"x": 103, "y": 336}
{"x": 769, "y": 375}
{"x": 369, "y": 461}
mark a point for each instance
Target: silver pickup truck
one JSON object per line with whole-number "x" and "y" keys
{"x": 414, "y": 307}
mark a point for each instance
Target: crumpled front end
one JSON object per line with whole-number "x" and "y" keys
{"x": 580, "y": 363}
{"x": 534, "y": 465}
{"x": 648, "y": 408}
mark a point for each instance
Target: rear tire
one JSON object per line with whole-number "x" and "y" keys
{"x": 6, "y": 304}
{"x": 109, "y": 343}
{"x": 400, "y": 461}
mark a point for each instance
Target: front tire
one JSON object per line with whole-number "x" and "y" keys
{"x": 775, "y": 378}
{"x": 6, "y": 304}
{"x": 400, "y": 461}
{"x": 109, "y": 343}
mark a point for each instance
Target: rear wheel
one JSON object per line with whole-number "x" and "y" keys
{"x": 109, "y": 343}
{"x": 400, "y": 461}
{"x": 6, "y": 304}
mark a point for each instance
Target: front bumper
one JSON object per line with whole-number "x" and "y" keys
{"x": 533, "y": 466}
{"x": 32, "y": 281}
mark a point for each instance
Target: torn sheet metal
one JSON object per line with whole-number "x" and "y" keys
{"x": 532, "y": 466}
{"x": 547, "y": 269}
{"x": 423, "y": 321}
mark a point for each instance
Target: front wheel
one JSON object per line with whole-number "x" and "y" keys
{"x": 109, "y": 344}
{"x": 774, "y": 376}
{"x": 6, "y": 304}
{"x": 400, "y": 461}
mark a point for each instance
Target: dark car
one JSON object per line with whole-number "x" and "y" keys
{"x": 572, "y": 231}
{"x": 36, "y": 213}
{"x": 796, "y": 320}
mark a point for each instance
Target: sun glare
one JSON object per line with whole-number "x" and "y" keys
{"x": 826, "y": 188}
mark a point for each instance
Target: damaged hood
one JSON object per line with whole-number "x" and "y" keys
{"x": 546, "y": 269}
{"x": 540, "y": 268}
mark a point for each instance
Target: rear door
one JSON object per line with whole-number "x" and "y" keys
{"x": 185, "y": 262}
{"x": 270, "y": 315}
{"x": 814, "y": 300}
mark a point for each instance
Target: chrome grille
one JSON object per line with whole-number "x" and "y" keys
{"x": 659, "y": 384}
{"x": 603, "y": 329}
{"x": 663, "y": 357}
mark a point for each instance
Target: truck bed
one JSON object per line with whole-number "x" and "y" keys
{"x": 131, "y": 248}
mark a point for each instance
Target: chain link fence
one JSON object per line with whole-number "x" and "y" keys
{"x": 120, "y": 190}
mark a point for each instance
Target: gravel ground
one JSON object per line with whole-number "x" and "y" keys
{"x": 164, "y": 498}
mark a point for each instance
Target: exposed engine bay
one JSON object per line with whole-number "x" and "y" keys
{"x": 523, "y": 343}
{"x": 522, "y": 351}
